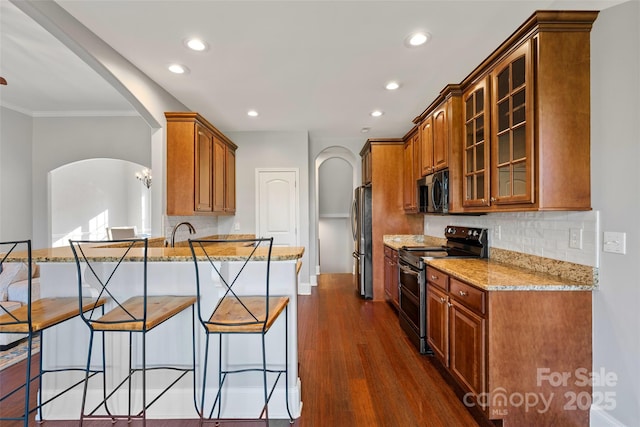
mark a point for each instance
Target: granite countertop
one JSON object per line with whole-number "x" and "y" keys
{"x": 496, "y": 276}
{"x": 506, "y": 270}
{"x": 159, "y": 253}
{"x": 396, "y": 241}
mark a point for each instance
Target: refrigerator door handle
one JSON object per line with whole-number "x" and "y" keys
{"x": 356, "y": 255}
{"x": 354, "y": 209}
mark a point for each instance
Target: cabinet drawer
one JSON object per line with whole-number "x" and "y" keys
{"x": 468, "y": 295}
{"x": 438, "y": 278}
{"x": 388, "y": 252}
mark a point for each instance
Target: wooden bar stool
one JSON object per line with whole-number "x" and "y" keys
{"x": 246, "y": 307}
{"x": 33, "y": 318}
{"x": 131, "y": 310}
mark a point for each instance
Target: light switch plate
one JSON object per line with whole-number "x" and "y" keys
{"x": 615, "y": 242}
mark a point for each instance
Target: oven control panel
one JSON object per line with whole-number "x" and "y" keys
{"x": 465, "y": 233}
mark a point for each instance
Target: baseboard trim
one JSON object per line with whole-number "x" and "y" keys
{"x": 304, "y": 289}
{"x": 602, "y": 418}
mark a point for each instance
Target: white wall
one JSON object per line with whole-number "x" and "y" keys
{"x": 336, "y": 193}
{"x": 268, "y": 150}
{"x": 15, "y": 175}
{"x": 60, "y": 141}
{"x": 112, "y": 197}
{"x": 615, "y": 181}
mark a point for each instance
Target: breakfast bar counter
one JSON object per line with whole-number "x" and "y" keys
{"x": 161, "y": 254}
{"x": 170, "y": 271}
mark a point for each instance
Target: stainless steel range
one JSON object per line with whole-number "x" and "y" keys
{"x": 462, "y": 242}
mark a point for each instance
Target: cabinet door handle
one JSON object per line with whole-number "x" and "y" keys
{"x": 434, "y": 277}
{"x": 493, "y": 200}
{"x": 443, "y": 300}
{"x": 463, "y": 293}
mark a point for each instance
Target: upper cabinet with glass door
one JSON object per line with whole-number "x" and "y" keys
{"x": 512, "y": 152}
{"x": 527, "y": 118}
{"x": 476, "y": 146}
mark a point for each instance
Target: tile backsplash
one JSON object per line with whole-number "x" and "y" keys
{"x": 545, "y": 234}
{"x": 204, "y": 225}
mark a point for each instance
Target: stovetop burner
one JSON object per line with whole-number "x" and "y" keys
{"x": 462, "y": 242}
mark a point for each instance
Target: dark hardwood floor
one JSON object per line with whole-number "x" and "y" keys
{"x": 356, "y": 368}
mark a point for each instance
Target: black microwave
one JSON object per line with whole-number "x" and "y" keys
{"x": 433, "y": 193}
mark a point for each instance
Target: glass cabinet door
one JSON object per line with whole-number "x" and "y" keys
{"x": 512, "y": 152}
{"x": 476, "y": 146}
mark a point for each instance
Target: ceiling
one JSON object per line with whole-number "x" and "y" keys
{"x": 318, "y": 66}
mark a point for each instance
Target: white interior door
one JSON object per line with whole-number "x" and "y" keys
{"x": 277, "y": 205}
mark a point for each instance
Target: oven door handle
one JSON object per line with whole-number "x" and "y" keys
{"x": 409, "y": 270}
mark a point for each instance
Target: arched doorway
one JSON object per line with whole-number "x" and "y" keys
{"x": 336, "y": 176}
{"x": 89, "y": 195}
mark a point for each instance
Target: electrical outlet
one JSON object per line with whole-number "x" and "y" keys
{"x": 575, "y": 238}
{"x": 615, "y": 242}
{"x": 497, "y": 232}
{"x": 236, "y": 226}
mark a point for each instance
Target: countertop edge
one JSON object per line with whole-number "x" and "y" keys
{"x": 178, "y": 254}
{"x": 496, "y": 276}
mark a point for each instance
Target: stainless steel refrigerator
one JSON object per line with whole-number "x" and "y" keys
{"x": 361, "y": 228}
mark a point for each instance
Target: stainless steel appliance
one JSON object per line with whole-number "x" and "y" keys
{"x": 433, "y": 193}
{"x": 361, "y": 229}
{"x": 462, "y": 242}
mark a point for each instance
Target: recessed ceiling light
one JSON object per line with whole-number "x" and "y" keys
{"x": 365, "y": 130}
{"x": 252, "y": 113}
{"x": 178, "y": 69}
{"x": 376, "y": 113}
{"x": 392, "y": 86}
{"x": 417, "y": 39}
{"x": 196, "y": 44}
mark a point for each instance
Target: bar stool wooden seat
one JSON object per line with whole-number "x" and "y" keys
{"x": 33, "y": 318}
{"x": 245, "y": 307}
{"x": 131, "y": 310}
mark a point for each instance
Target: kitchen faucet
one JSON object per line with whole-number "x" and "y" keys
{"x": 192, "y": 230}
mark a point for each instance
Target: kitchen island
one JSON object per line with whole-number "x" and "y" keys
{"x": 170, "y": 271}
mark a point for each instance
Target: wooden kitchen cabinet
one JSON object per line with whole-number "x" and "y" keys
{"x": 440, "y": 141}
{"x": 230, "y": 180}
{"x": 475, "y": 184}
{"x": 224, "y": 177}
{"x": 411, "y": 168}
{"x": 456, "y": 328}
{"x": 438, "y": 322}
{"x": 434, "y": 141}
{"x": 440, "y": 138}
{"x": 467, "y": 330}
{"x": 200, "y": 167}
{"x": 493, "y": 342}
{"x": 203, "y": 169}
{"x": 391, "y": 276}
{"x": 527, "y": 119}
{"x": 426, "y": 146}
